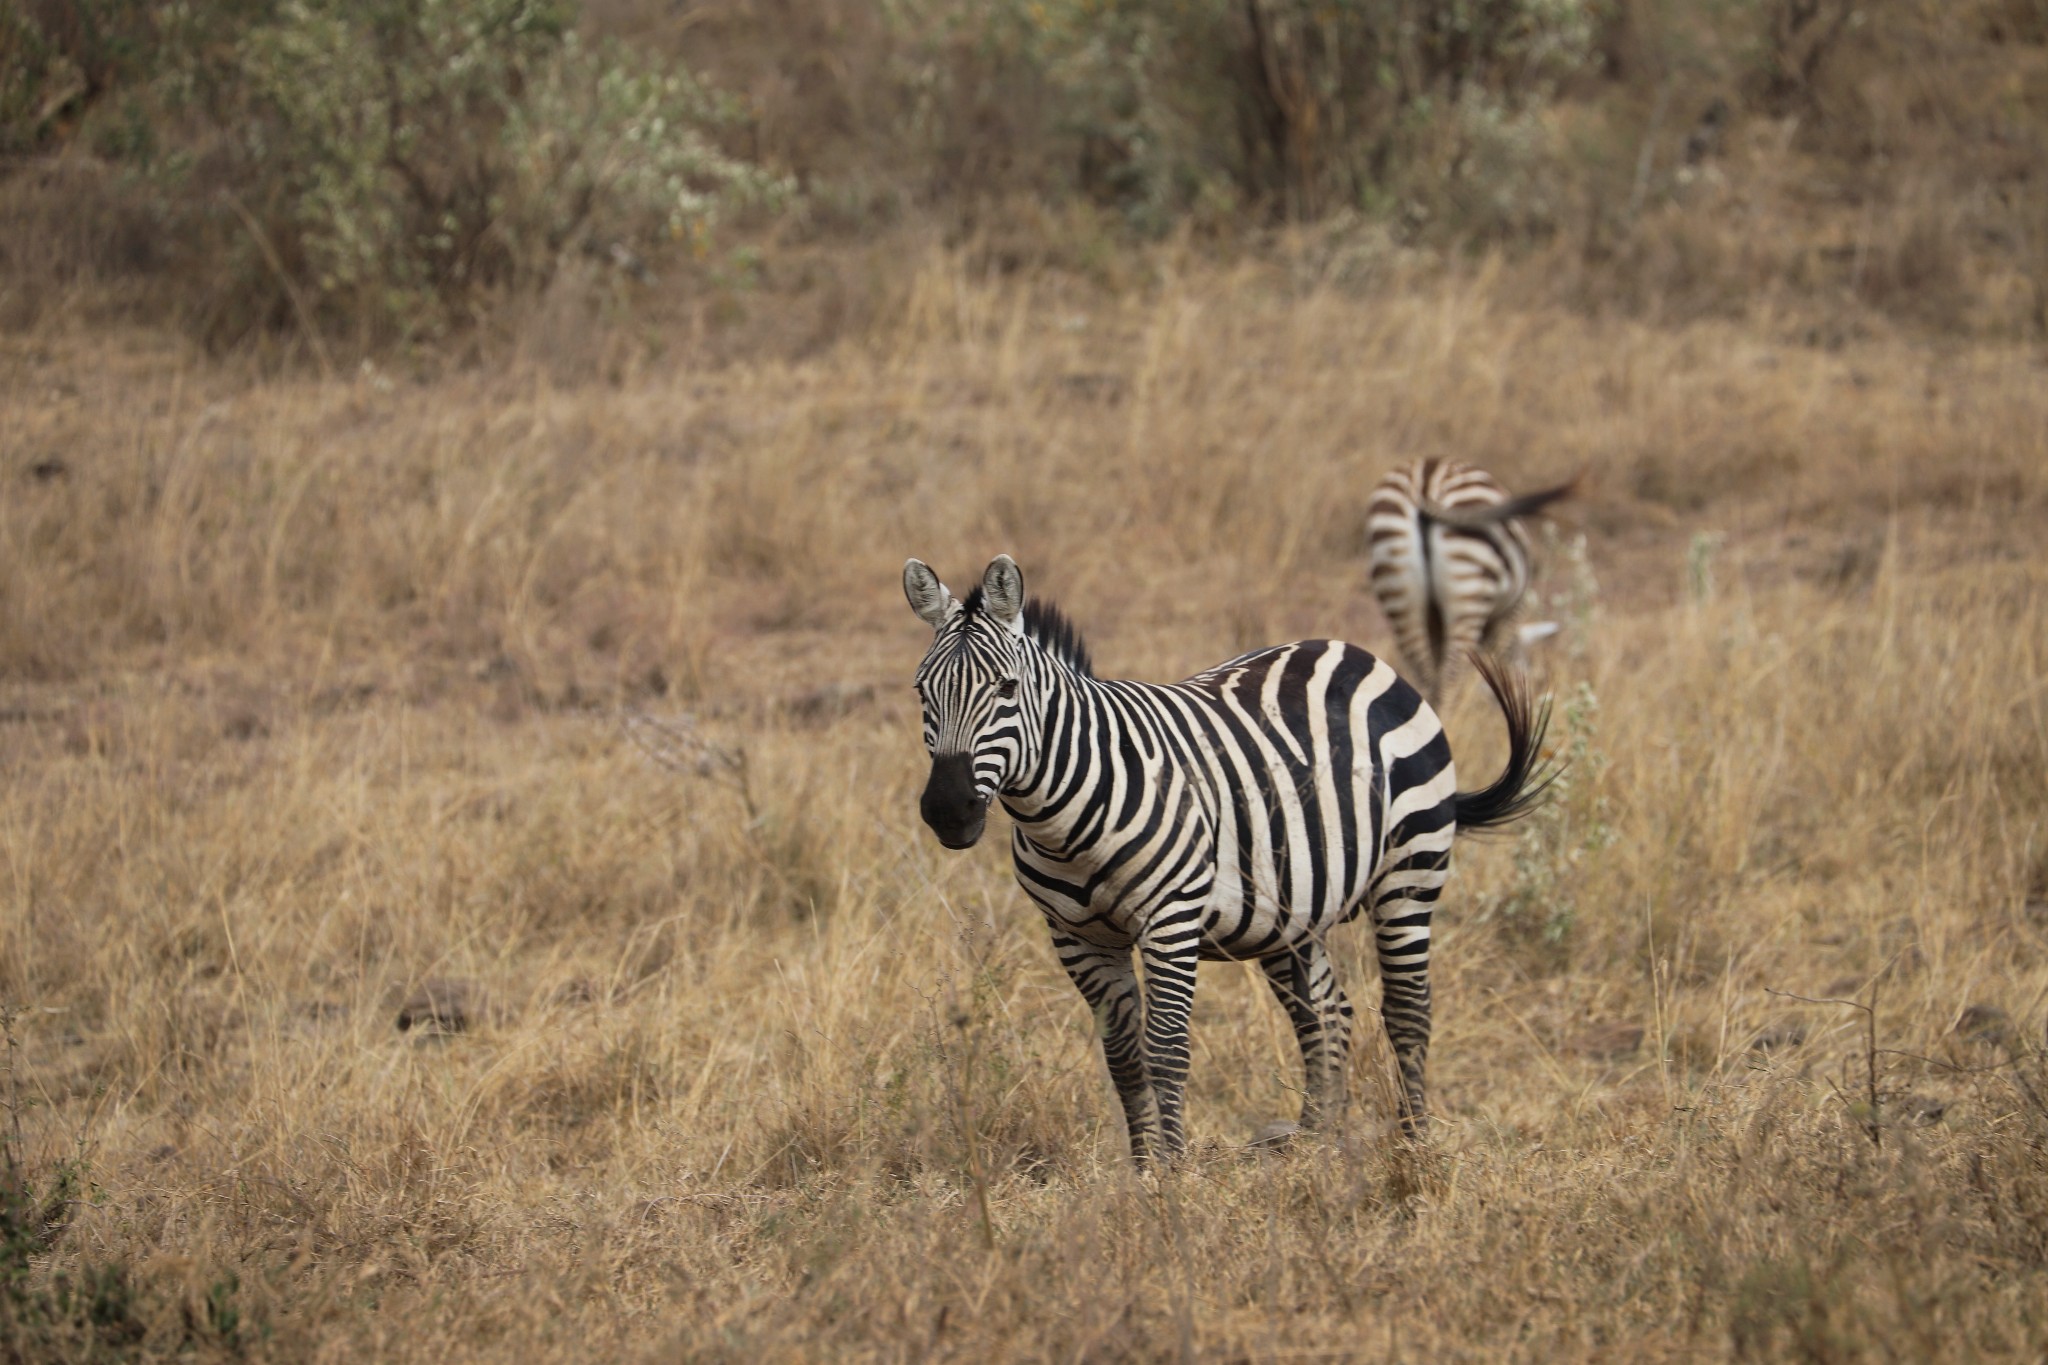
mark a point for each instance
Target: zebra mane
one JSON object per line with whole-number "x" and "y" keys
{"x": 1046, "y": 624}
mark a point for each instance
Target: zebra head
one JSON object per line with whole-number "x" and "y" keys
{"x": 974, "y": 684}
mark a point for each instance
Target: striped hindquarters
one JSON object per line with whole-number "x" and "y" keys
{"x": 1338, "y": 797}
{"x": 1449, "y": 562}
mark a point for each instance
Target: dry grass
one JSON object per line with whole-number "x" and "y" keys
{"x": 311, "y": 695}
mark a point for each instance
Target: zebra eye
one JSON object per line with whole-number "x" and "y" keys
{"x": 1007, "y": 688}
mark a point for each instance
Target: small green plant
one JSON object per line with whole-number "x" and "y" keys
{"x": 223, "y": 1316}
{"x": 1557, "y": 842}
{"x": 1699, "y": 566}
{"x": 1575, "y": 602}
{"x": 35, "y": 1208}
{"x": 98, "y": 1311}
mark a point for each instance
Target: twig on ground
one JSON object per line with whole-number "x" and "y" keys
{"x": 1871, "y": 1125}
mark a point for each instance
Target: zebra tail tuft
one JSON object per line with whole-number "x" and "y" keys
{"x": 1522, "y": 786}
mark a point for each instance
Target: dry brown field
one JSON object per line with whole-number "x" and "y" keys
{"x": 591, "y": 697}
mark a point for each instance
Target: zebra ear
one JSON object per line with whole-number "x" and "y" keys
{"x": 928, "y": 596}
{"x": 1002, "y": 591}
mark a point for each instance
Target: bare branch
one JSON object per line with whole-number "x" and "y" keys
{"x": 678, "y": 745}
{"x": 1872, "y": 1128}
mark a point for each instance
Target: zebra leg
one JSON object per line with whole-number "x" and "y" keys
{"x": 1502, "y": 637}
{"x": 1401, "y": 934}
{"x": 1305, "y": 980}
{"x": 1170, "y": 949}
{"x": 1109, "y": 983}
{"x": 1464, "y": 634}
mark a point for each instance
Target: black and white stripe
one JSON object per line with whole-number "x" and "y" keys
{"x": 1449, "y": 562}
{"x": 1241, "y": 814}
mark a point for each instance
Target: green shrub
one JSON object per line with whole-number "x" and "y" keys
{"x": 28, "y": 82}
{"x": 58, "y": 56}
{"x": 413, "y": 151}
{"x": 391, "y": 164}
{"x": 1163, "y": 107}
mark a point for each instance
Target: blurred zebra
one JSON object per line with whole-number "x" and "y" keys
{"x": 1240, "y": 814}
{"x": 1449, "y": 562}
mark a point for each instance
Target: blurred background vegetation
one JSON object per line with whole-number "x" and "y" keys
{"x": 434, "y": 174}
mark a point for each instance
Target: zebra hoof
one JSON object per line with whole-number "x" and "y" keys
{"x": 1275, "y": 1136}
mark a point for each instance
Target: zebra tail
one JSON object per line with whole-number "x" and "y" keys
{"x": 1522, "y": 786}
{"x": 1473, "y": 518}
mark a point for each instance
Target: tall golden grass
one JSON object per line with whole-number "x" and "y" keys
{"x": 313, "y": 694}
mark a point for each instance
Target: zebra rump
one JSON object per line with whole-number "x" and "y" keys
{"x": 1450, "y": 563}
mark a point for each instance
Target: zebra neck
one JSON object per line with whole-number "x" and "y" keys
{"x": 1079, "y": 756}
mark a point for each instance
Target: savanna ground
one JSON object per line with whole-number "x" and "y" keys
{"x": 558, "y": 701}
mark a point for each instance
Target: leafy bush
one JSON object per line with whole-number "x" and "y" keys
{"x": 27, "y": 87}
{"x": 57, "y": 56}
{"x": 389, "y": 163}
{"x": 1162, "y": 107}
{"x": 444, "y": 145}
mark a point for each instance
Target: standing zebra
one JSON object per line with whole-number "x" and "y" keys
{"x": 1450, "y": 562}
{"x": 1240, "y": 814}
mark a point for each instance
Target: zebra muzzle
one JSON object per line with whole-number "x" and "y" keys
{"x": 952, "y": 804}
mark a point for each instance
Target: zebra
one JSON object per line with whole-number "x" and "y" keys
{"x": 1449, "y": 562}
{"x": 1238, "y": 815}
